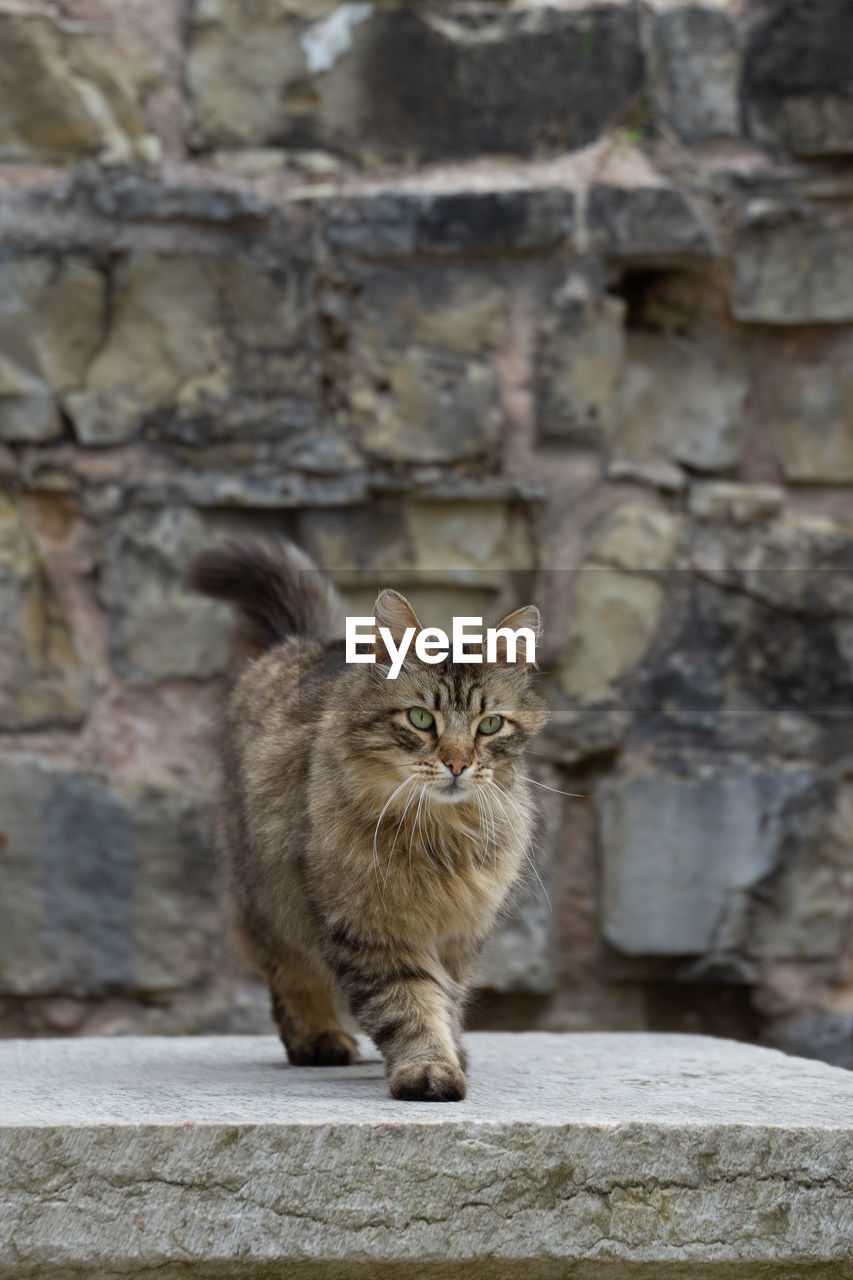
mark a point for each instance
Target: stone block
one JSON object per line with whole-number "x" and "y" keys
{"x": 682, "y": 399}
{"x": 203, "y": 350}
{"x": 361, "y": 80}
{"x": 51, "y": 323}
{"x": 617, "y": 600}
{"x": 459, "y": 220}
{"x": 651, "y": 224}
{"x": 740, "y": 504}
{"x": 42, "y": 681}
{"x": 158, "y": 628}
{"x": 797, "y": 85}
{"x": 108, "y": 888}
{"x": 808, "y": 396}
{"x": 697, "y": 51}
{"x": 684, "y": 846}
{"x": 578, "y": 360}
{"x": 419, "y": 384}
{"x": 794, "y": 263}
{"x": 596, "y": 1154}
{"x": 68, "y": 90}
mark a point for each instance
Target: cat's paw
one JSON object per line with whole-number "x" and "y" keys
{"x": 329, "y": 1049}
{"x": 428, "y": 1082}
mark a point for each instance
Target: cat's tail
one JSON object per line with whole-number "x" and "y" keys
{"x": 275, "y": 588}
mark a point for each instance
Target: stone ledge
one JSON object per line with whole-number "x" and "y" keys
{"x": 596, "y": 1155}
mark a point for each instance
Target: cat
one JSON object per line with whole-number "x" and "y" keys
{"x": 373, "y": 827}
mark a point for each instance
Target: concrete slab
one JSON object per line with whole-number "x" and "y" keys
{"x": 597, "y": 1155}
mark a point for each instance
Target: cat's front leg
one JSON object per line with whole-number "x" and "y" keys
{"x": 407, "y": 1005}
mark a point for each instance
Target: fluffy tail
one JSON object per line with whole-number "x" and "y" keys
{"x": 275, "y": 588}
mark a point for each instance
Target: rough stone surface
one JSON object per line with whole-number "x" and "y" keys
{"x": 362, "y": 83}
{"x": 682, "y": 399}
{"x": 107, "y": 888}
{"x": 810, "y": 398}
{"x": 159, "y": 628}
{"x": 42, "y": 681}
{"x": 794, "y": 264}
{"x": 652, "y": 224}
{"x": 68, "y": 90}
{"x": 611, "y": 1154}
{"x": 666, "y": 888}
{"x": 697, "y": 49}
{"x": 579, "y": 358}
{"x": 797, "y": 81}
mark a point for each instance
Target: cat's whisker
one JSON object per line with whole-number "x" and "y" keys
{"x": 525, "y": 845}
{"x": 394, "y": 793}
{"x": 576, "y": 795}
{"x": 393, "y": 843}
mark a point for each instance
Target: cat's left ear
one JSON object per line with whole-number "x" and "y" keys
{"x": 526, "y": 618}
{"x": 393, "y": 611}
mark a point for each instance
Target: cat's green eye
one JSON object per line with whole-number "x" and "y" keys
{"x": 421, "y": 718}
{"x": 490, "y": 724}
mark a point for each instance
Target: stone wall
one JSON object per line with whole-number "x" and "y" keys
{"x": 488, "y": 300}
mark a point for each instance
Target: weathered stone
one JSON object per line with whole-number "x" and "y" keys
{"x": 615, "y": 619}
{"x": 419, "y": 384}
{"x": 41, "y": 679}
{"x": 579, "y": 356}
{"x": 201, "y": 350}
{"x": 392, "y": 224}
{"x": 794, "y": 264}
{"x": 51, "y": 318}
{"x": 738, "y": 503}
{"x": 138, "y": 196}
{"x": 106, "y": 888}
{"x": 646, "y": 225}
{"x": 360, "y": 79}
{"x": 159, "y": 629}
{"x": 798, "y": 82}
{"x": 617, "y": 602}
{"x": 681, "y": 398}
{"x": 697, "y": 49}
{"x": 684, "y": 846}
{"x": 601, "y": 1154}
{"x": 68, "y": 90}
{"x": 656, "y": 474}
{"x": 808, "y": 396}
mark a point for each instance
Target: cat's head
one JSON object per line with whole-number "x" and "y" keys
{"x": 451, "y": 726}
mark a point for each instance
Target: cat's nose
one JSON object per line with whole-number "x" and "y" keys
{"x": 456, "y": 764}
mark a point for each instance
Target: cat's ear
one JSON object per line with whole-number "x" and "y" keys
{"x": 527, "y": 618}
{"x": 393, "y": 611}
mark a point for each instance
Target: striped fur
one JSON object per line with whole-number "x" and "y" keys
{"x": 360, "y": 870}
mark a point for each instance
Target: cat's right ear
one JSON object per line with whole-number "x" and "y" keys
{"x": 394, "y": 612}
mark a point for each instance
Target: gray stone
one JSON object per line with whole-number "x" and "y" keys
{"x": 798, "y": 81}
{"x": 683, "y": 849}
{"x": 108, "y": 888}
{"x": 739, "y": 503}
{"x": 51, "y": 323}
{"x": 419, "y": 382}
{"x": 69, "y": 90}
{"x": 808, "y": 395}
{"x": 159, "y": 629}
{"x": 579, "y": 356}
{"x": 201, "y": 350}
{"x": 794, "y": 264}
{"x": 42, "y": 681}
{"x": 607, "y": 1154}
{"x": 362, "y": 81}
{"x": 456, "y": 221}
{"x": 681, "y": 398}
{"x": 697, "y": 48}
{"x": 647, "y": 225}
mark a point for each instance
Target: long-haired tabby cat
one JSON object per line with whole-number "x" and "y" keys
{"x": 373, "y": 827}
